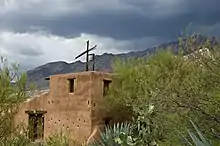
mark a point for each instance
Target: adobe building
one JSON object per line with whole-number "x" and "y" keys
{"x": 72, "y": 105}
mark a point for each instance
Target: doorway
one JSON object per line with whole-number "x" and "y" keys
{"x": 35, "y": 125}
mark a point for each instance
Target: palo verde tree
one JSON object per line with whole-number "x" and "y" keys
{"x": 12, "y": 93}
{"x": 165, "y": 90}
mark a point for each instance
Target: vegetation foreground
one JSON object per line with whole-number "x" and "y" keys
{"x": 173, "y": 100}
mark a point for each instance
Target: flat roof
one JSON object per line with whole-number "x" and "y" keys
{"x": 78, "y": 73}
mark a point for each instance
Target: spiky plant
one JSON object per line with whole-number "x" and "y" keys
{"x": 199, "y": 140}
{"x": 111, "y": 136}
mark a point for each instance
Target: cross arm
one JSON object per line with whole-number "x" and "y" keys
{"x": 86, "y": 52}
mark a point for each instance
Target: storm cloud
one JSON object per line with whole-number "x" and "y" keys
{"x": 131, "y": 24}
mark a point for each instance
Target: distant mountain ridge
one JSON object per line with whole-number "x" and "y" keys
{"x": 102, "y": 63}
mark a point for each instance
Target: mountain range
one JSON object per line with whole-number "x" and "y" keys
{"x": 102, "y": 62}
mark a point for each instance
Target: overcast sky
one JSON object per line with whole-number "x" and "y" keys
{"x": 34, "y": 32}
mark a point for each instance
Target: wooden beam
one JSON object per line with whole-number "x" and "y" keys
{"x": 87, "y": 54}
{"x": 35, "y": 111}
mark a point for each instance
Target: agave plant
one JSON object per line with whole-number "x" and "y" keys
{"x": 116, "y": 135}
{"x": 198, "y": 140}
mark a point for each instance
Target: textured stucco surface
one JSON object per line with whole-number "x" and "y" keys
{"x": 75, "y": 113}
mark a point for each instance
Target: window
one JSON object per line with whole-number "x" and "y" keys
{"x": 106, "y": 87}
{"x": 71, "y": 85}
{"x": 36, "y": 125}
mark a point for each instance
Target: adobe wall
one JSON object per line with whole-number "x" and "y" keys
{"x": 76, "y": 113}
{"x": 34, "y": 103}
{"x": 69, "y": 111}
{"x": 98, "y": 114}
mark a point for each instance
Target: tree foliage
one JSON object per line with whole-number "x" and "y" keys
{"x": 175, "y": 87}
{"x": 12, "y": 92}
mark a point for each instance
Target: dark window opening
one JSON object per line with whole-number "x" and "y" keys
{"x": 36, "y": 126}
{"x": 107, "y": 121}
{"x": 71, "y": 85}
{"x": 106, "y": 87}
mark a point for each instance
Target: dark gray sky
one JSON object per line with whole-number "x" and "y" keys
{"x": 34, "y": 32}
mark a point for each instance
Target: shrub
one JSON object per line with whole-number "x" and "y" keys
{"x": 177, "y": 87}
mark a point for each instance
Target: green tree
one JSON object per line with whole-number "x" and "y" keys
{"x": 166, "y": 90}
{"x": 12, "y": 93}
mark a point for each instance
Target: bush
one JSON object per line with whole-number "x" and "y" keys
{"x": 12, "y": 93}
{"x": 60, "y": 139}
{"x": 177, "y": 87}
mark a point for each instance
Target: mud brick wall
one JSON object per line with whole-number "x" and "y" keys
{"x": 73, "y": 113}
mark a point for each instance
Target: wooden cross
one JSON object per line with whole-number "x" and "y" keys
{"x": 87, "y": 54}
{"x": 93, "y": 61}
